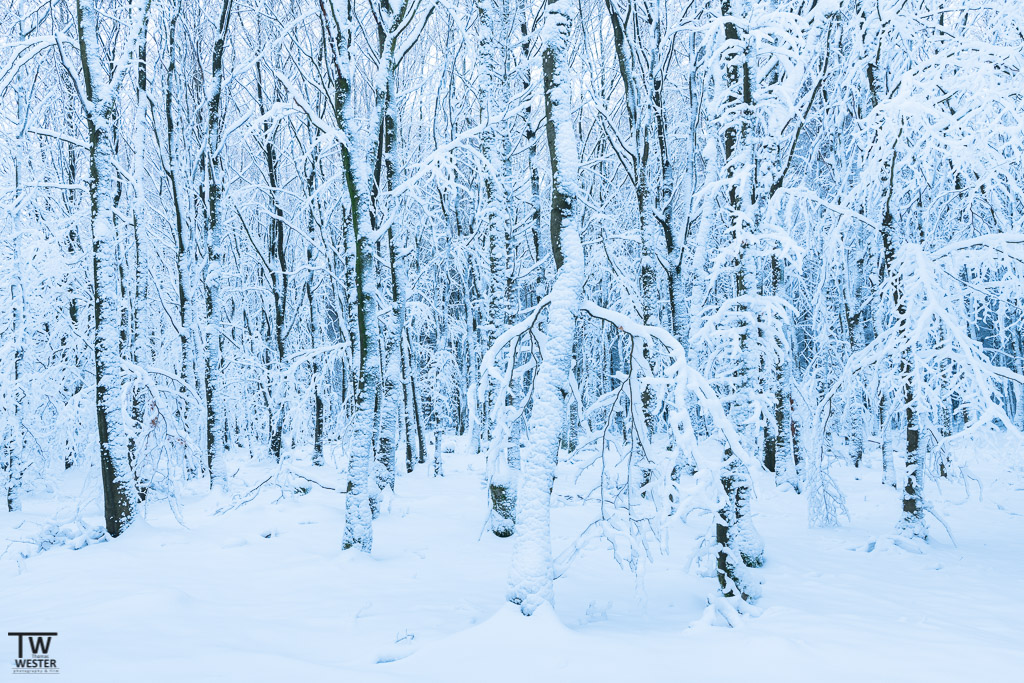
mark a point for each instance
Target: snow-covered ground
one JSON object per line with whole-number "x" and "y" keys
{"x": 262, "y": 592}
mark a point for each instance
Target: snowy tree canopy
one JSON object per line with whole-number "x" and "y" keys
{"x": 647, "y": 273}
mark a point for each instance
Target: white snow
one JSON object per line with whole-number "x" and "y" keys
{"x": 264, "y": 593}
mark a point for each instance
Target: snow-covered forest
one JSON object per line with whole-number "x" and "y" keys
{"x": 473, "y": 339}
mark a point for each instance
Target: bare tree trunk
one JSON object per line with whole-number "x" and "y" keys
{"x": 213, "y": 275}
{"x": 278, "y": 279}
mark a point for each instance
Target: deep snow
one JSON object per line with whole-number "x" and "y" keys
{"x": 264, "y": 593}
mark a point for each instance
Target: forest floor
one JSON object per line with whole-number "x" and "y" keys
{"x": 263, "y": 592}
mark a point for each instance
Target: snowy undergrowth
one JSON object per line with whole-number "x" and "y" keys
{"x": 262, "y": 591}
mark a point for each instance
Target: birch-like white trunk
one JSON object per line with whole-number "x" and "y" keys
{"x": 119, "y": 496}
{"x": 531, "y": 581}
